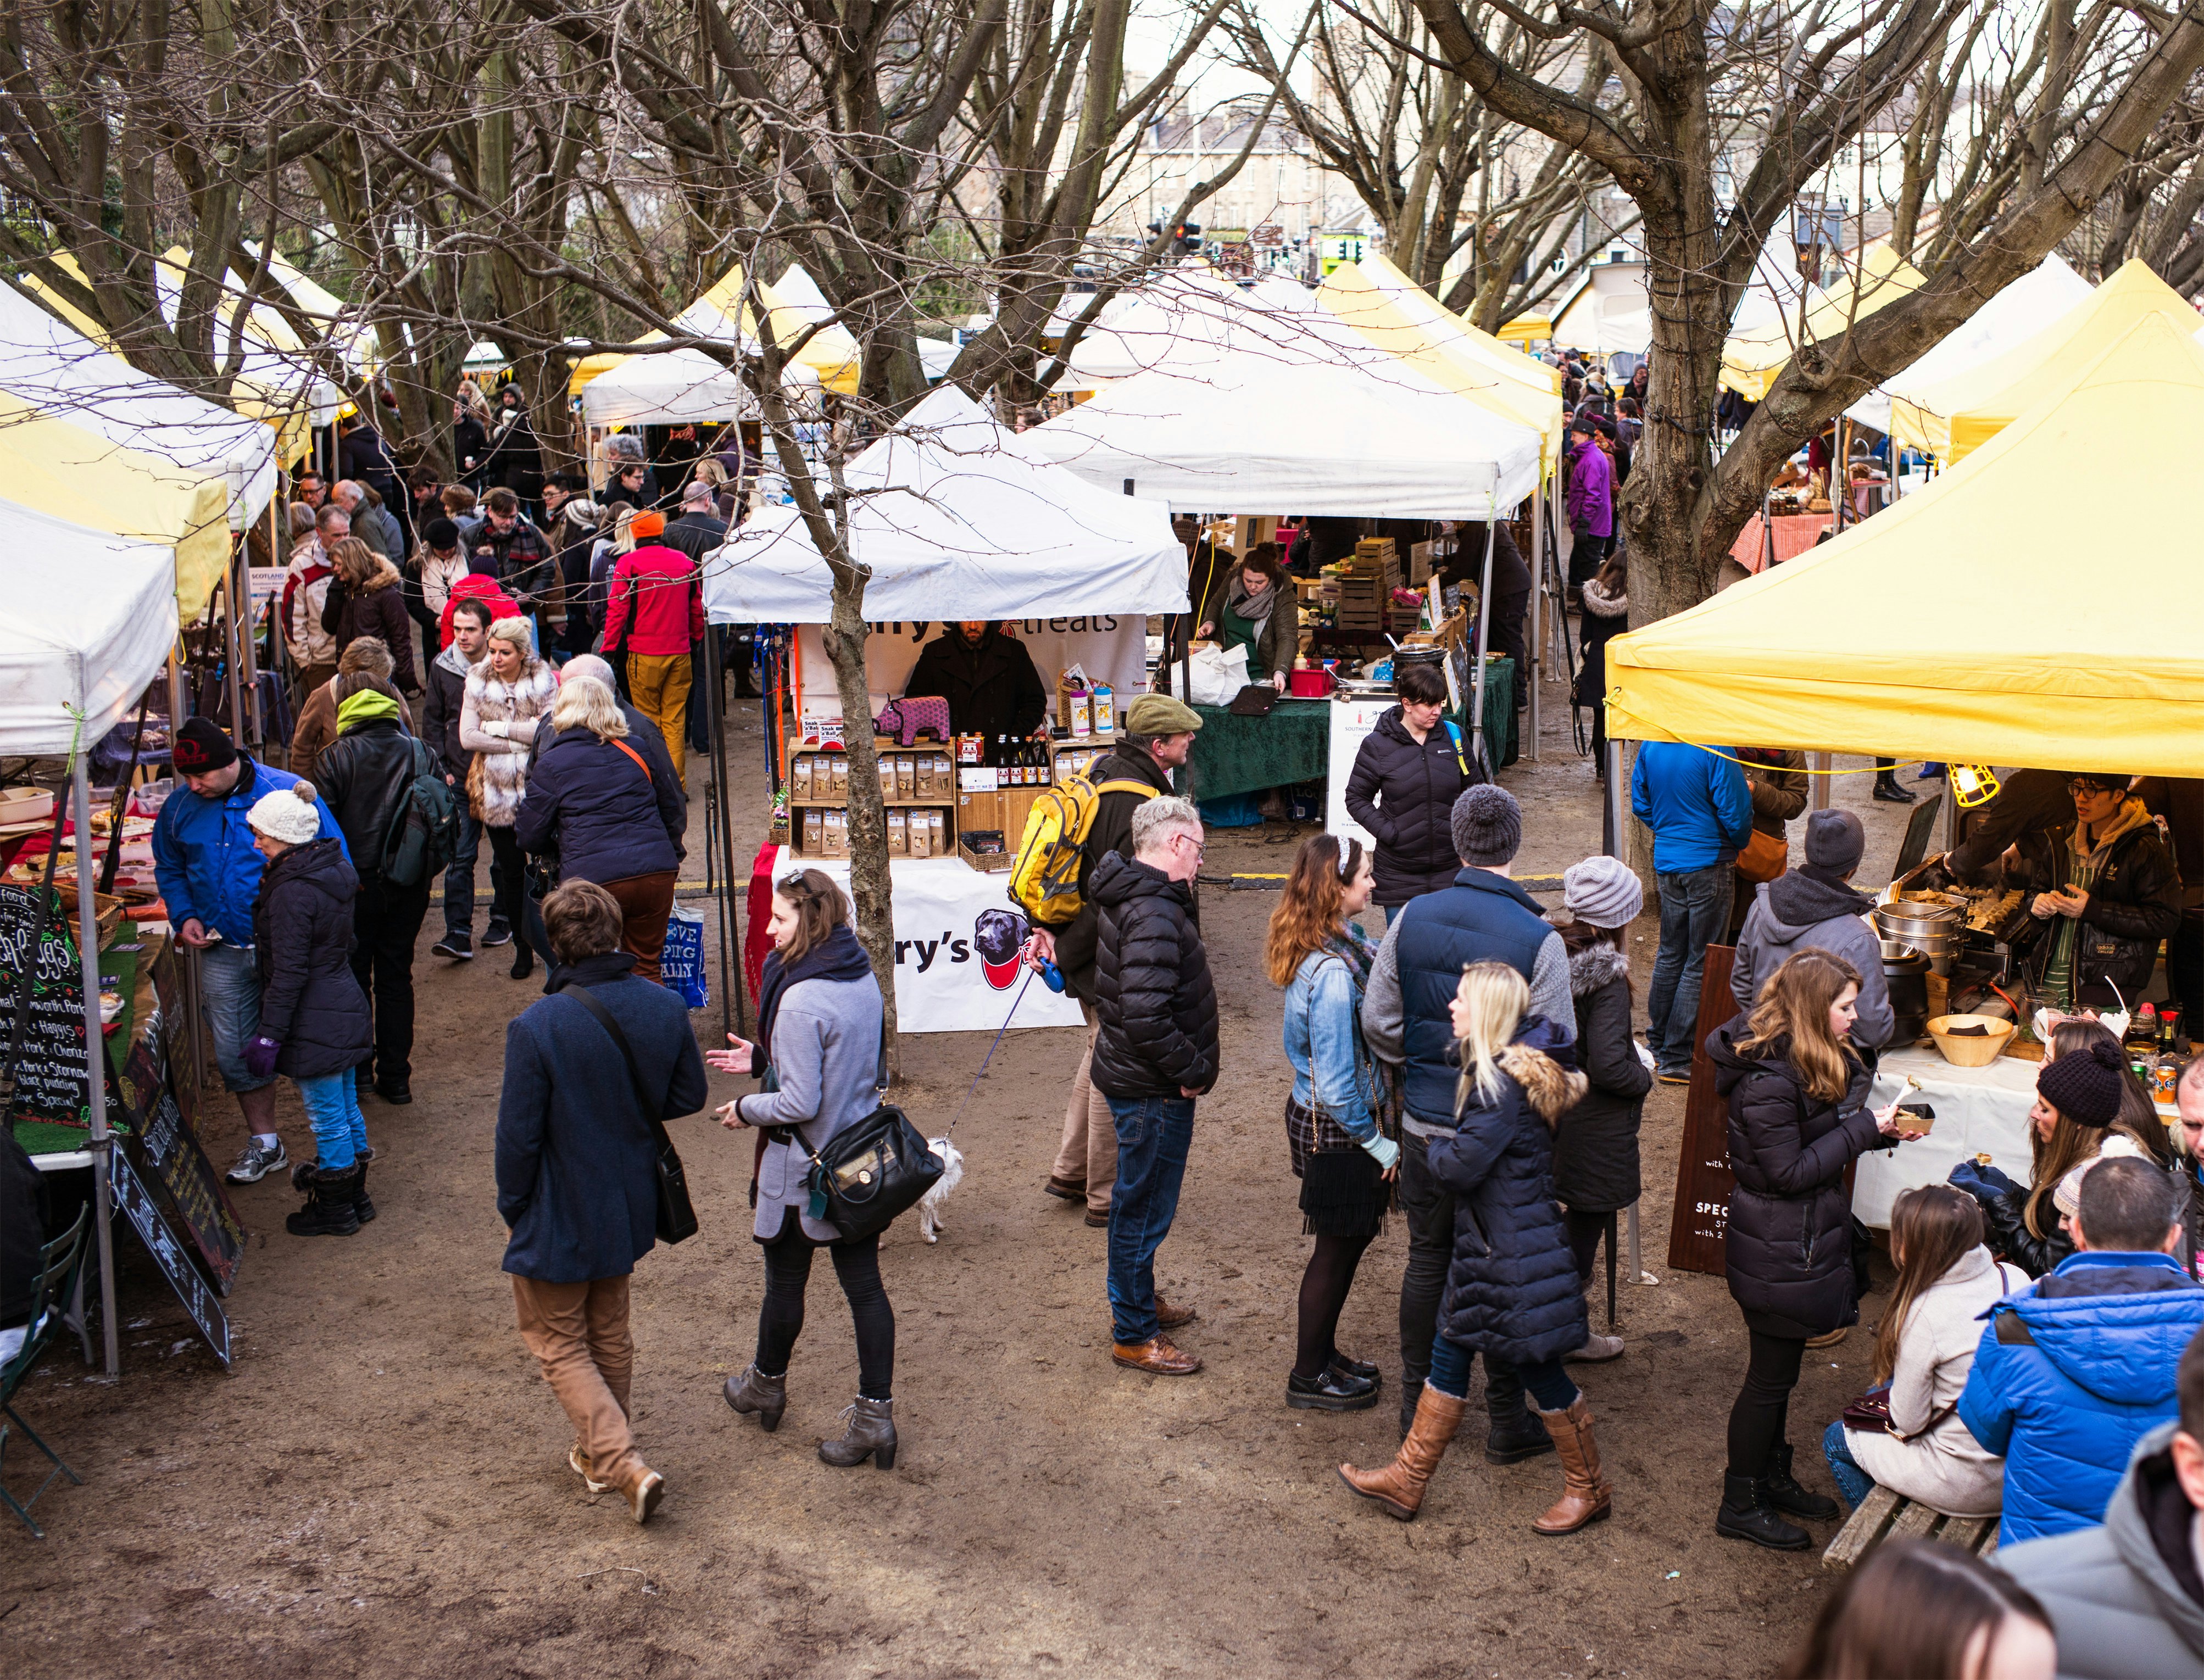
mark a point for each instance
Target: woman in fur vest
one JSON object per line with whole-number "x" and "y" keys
{"x": 507, "y": 694}
{"x": 1512, "y": 1291}
{"x": 1596, "y": 1144}
{"x": 1606, "y": 615}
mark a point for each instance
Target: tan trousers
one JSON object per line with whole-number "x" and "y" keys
{"x": 659, "y": 683}
{"x": 1088, "y": 1153}
{"x": 578, "y": 1333}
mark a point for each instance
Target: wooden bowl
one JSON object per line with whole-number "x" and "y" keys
{"x": 1967, "y": 1051}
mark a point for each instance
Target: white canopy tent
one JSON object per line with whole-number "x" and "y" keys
{"x": 58, "y": 371}
{"x": 677, "y": 388}
{"x": 2022, "y": 310}
{"x": 957, "y": 525}
{"x": 1188, "y": 315}
{"x": 276, "y": 374}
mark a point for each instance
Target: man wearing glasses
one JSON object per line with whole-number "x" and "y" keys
{"x": 1155, "y": 1052}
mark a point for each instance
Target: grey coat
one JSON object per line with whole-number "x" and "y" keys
{"x": 825, "y": 1052}
{"x": 1796, "y": 911}
{"x": 2120, "y": 1610}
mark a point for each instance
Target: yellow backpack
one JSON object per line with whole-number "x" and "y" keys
{"x": 1045, "y": 879}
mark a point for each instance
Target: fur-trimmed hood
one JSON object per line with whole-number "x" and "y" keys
{"x": 1551, "y": 1089}
{"x": 1596, "y": 966}
{"x": 1601, "y": 604}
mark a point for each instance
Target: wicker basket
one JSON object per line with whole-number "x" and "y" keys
{"x": 1969, "y": 1051}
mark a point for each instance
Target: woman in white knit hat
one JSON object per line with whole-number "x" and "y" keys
{"x": 1595, "y": 1144}
{"x": 507, "y": 694}
{"x": 314, "y": 1024}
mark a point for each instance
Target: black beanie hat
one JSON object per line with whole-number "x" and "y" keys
{"x": 2084, "y": 1085}
{"x": 440, "y": 534}
{"x": 200, "y": 746}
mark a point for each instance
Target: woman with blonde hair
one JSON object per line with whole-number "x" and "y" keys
{"x": 595, "y": 809}
{"x": 365, "y": 599}
{"x": 508, "y": 693}
{"x": 1338, "y": 1110}
{"x": 1512, "y": 1291}
{"x": 1796, "y": 1091}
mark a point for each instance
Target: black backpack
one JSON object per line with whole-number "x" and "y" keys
{"x": 426, "y": 831}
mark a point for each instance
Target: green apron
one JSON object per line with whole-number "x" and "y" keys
{"x": 1235, "y": 631}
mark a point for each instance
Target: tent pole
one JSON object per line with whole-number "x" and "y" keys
{"x": 1537, "y": 654}
{"x": 233, "y": 638}
{"x": 730, "y": 997}
{"x": 1817, "y": 798}
{"x": 1610, "y": 811}
{"x": 95, "y": 1057}
{"x": 1485, "y": 628}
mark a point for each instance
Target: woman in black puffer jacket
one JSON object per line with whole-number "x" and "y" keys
{"x": 314, "y": 1022}
{"x": 1795, "y": 1089}
{"x": 1403, "y": 787}
{"x": 1512, "y": 1290}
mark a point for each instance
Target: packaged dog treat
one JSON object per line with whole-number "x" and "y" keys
{"x": 937, "y": 832}
{"x": 802, "y": 775}
{"x": 815, "y": 832}
{"x": 898, "y": 833}
{"x": 906, "y": 775}
{"x": 921, "y": 775}
{"x": 1106, "y": 709}
{"x": 945, "y": 775}
{"x": 840, "y": 775}
{"x": 887, "y": 768}
{"x": 1082, "y": 720}
{"x": 838, "y": 834}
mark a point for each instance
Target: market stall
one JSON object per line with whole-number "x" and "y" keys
{"x": 953, "y": 525}
{"x": 1755, "y": 355}
{"x": 1793, "y": 535}
{"x": 1951, "y": 628}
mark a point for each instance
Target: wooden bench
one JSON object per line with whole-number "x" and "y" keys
{"x": 1884, "y": 1515}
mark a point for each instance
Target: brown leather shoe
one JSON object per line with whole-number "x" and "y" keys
{"x": 1170, "y": 1317}
{"x": 1399, "y": 1486}
{"x": 1064, "y": 1190}
{"x": 1099, "y": 1220}
{"x": 1155, "y": 1356}
{"x": 1585, "y": 1492}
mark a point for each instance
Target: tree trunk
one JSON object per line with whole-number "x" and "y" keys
{"x": 872, "y": 895}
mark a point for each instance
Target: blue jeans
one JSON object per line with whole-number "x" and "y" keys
{"x": 1853, "y": 1482}
{"x": 459, "y": 874}
{"x": 1694, "y": 914}
{"x": 229, "y": 988}
{"x": 332, "y": 1102}
{"x": 1548, "y": 1383}
{"x": 1391, "y": 911}
{"x": 1153, "y": 1136}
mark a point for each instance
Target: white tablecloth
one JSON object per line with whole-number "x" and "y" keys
{"x": 1978, "y": 1110}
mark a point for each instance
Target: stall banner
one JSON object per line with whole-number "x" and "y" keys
{"x": 958, "y": 936}
{"x": 1111, "y": 647}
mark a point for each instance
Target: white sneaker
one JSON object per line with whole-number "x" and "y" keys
{"x": 258, "y": 1160}
{"x": 580, "y": 1466}
{"x": 1596, "y": 1350}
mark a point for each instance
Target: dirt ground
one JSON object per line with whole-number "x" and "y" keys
{"x": 380, "y": 1488}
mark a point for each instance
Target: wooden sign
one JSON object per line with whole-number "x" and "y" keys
{"x": 184, "y": 1182}
{"x": 1698, "y": 1226}
{"x": 138, "y": 1206}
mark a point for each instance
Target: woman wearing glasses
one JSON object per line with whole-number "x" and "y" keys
{"x": 2107, "y": 886}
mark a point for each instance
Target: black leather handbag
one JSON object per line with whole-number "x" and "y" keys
{"x": 677, "y": 1216}
{"x": 869, "y": 1173}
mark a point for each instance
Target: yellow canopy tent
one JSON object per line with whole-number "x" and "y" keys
{"x": 1524, "y": 328}
{"x": 277, "y": 382}
{"x": 73, "y": 473}
{"x": 831, "y": 353}
{"x": 1440, "y": 352}
{"x": 1998, "y": 617}
{"x": 1754, "y": 358}
{"x": 1956, "y": 416}
{"x": 1419, "y": 306}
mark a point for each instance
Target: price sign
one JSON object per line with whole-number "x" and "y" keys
{"x": 51, "y": 1081}
{"x": 136, "y": 1203}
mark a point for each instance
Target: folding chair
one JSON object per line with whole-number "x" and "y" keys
{"x": 61, "y": 1261}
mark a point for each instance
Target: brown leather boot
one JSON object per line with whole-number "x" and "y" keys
{"x": 1399, "y": 1488}
{"x": 1585, "y": 1492}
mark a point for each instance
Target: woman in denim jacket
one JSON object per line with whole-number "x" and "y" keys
{"x": 1336, "y": 1117}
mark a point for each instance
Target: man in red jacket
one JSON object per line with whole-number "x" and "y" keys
{"x": 655, "y": 613}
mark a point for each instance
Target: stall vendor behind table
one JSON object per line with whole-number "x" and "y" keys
{"x": 987, "y": 678}
{"x": 2108, "y": 887}
{"x": 1254, "y": 606}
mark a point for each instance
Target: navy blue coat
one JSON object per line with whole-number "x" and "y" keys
{"x": 1511, "y": 1289}
{"x": 310, "y": 1003}
{"x": 1482, "y": 918}
{"x": 604, "y": 817}
{"x": 576, "y": 1179}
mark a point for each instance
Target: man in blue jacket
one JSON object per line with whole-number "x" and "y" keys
{"x": 209, "y": 873}
{"x": 2076, "y": 1368}
{"x": 1696, "y": 802}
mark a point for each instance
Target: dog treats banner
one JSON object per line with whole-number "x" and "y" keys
{"x": 1112, "y": 649}
{"x": 958, "y": 936}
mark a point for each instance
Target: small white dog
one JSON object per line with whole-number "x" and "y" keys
{"x": 952, "y": 1174}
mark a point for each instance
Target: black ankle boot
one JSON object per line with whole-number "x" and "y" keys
{"x": 1888, "y": 790}
{"x": 1785, "y": 1493}
{"x": 1747, "y": 1514}
{"x": 1515, "y": 1435}
{"x": 328, "y": 1210}
{"x": 361, "y": 1209}
{"x": 523, "y": 960}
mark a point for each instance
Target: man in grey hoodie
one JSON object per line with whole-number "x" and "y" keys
{"x": 2127, "y": 1600}
{"x": 1815, "y": 906}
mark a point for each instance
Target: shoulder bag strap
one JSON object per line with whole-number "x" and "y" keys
{"x": 643, "y": 1100}
{"x": 637, "y": 757}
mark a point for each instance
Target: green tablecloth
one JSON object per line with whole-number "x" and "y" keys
{"x": 1502, "y": 744}
{"x": 1233, "y": 755}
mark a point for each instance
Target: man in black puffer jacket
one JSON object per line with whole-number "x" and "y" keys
{"x": 1155, "y": 1052}
{"x": 366, "y": 774}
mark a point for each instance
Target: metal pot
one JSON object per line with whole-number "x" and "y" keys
{"x": 1907, "y": 977}
{"x": 1921, "y": 925}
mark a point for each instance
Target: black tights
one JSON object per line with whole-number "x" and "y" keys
{"x": 1324, "y": 1285}
{"x": 1763, "y": 1404}
{"x": 1585, "y": 1230}
{"x": 857, "y": 1265}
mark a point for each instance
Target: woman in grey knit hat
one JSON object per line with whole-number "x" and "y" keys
{"x": 1596, "y": 1142}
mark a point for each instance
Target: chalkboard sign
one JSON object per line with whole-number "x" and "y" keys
{"x": 1700, "y": 1222}
{"x": 138, "y": 1206}
{"x": 179, "y": 1176}
{"x": 51, "y": 1081}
